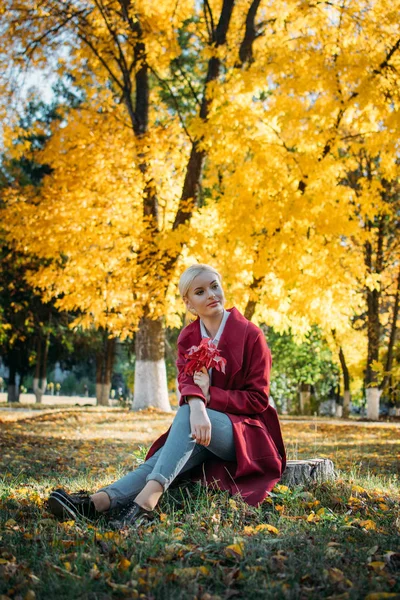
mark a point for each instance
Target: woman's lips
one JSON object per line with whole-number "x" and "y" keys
{"x": 213, "y": 303}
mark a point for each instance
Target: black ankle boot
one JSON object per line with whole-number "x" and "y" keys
{"x": 131, "y": 515}
{"x": 72, "y": 506}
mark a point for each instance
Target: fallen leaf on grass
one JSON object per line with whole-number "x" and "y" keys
{"x": 68, "y": 524}
{"x": 335, "y": 575}
{"x": 333, "y": 551}
{"x": 234, "y": 550}
{"x": 124, "y": 564}
{"x": 125, "y": 588}
{"x": 35, "y": 580}
{"x": 10, "y": 523}
{"x": 376, "y": 565}
{"x": 266, "y": 527}
{"x": 178, "y": 533}
{"x": 313, "y": 518}
{"x": 94, "y": 572}
{"x": 189, "y": 573}
{"x": 63, "y": 572}
{"x": 368, "y": 524}
{"x": 280, "y": 488}
{"x": 175, "y": 550}
{"x": 358, "y": 489}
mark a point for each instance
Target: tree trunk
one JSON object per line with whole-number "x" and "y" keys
{"x": 305, "y": 399}
{"x": 150, "y": 371}
{"x": 303, "y": 472}
{"x": 346, "y": 384}
{"x": 392, "y": 336}
{"x": 39, "y": 388}
{"x": 346, "y": 403}
{"x": 373, "y": 325}
{"x": 373, "y": 395}
{"x": 253, "y": 299}
{"x": 13, "y": 388}
{"x": 103, "y": 393}
{"x": 104, "y": 369}
{"x": 40, "y": 377}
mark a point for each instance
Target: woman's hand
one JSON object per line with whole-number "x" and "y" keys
{"x": 202, "y": 379}
{"x": 200, "y": 424}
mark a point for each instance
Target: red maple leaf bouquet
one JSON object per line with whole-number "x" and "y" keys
{"x": 206, "y": 354}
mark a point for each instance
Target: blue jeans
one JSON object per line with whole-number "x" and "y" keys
{"x": 179, "y": 454}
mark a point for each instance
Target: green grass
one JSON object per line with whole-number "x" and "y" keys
{"x": 334, "y": 540}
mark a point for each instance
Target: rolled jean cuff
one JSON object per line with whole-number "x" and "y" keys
{"x": 160, "y": 478}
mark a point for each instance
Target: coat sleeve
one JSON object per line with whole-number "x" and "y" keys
{"x": 185, "y": 382}
{"x": 253, "y": 397}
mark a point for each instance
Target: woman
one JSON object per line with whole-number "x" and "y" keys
{"x": 224, "y": 433}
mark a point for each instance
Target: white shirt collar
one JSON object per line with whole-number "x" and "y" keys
{"x": 220, "y": 329}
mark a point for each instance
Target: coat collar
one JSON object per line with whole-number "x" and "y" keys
{"x": 231, "y": 343}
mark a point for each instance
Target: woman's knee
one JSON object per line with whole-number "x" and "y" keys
{"x": 181, "y": 422}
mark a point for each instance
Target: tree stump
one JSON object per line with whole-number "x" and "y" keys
{"x": 302, "y": 472}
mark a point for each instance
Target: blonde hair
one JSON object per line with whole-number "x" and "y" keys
{"x": 187, "y": 277}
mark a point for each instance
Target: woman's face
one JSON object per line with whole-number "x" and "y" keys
{"x": 205, "y": 295}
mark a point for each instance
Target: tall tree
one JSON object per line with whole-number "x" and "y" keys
{"x": 376, "y": 202}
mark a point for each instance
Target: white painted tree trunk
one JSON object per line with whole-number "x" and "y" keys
{"x": 39, "y": 388}
{"x": 339, "y": 411}
{"x": 103, "y": 393}
{"x": 373, "y": 395}
{"x": 151, "y": 387}
{"x": 303, "y": 472}
{"x": 346, "y": 404}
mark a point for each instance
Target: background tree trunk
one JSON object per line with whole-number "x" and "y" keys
{"x": 346, "y": 384}
{"x": 40, "y": 377}
{"x": 13, "y": 388}
{"x": 373, "y": 395}
{"x": 373, "y": 392}
{"x": 392, "y": 337}
{"x": 305, "y": 398}
{"x": 150, "y": 371}
{"x": 104, "y": 369}
{"x": 373, "y": 323}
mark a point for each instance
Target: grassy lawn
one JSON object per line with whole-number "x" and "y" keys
{"x": 338, "y": 540}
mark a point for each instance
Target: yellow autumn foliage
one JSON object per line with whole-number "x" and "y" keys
{"x": 281, "y": 133}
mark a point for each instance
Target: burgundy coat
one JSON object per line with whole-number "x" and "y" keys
{"x": 241, "y": 393}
